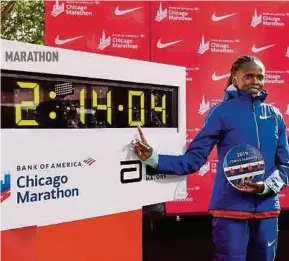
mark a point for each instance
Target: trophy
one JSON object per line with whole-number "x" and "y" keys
{"x": 243, "y": 163}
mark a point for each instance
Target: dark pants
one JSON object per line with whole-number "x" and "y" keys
{"x": 245, "y": 240}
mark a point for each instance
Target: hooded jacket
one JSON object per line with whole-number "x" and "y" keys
{"x": 239, "y": 119}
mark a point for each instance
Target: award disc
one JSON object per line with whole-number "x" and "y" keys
{"x": 243, "y": 163}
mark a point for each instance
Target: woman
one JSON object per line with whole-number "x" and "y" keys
{"x": 245, "y": 220}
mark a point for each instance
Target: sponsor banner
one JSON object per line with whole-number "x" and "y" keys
{"x": 83, "y": 9}
{"x": 171, "y": 12}
{"x": 113, "y": 28}
{"x": 239, "y": 18}
{"x": 172, "y": 48}
{"x": 269, "y": 16}
{"x": 82, "y": 184}
{"x": 218, "y": 45}
{"x": 67, "y": 23}
{"x": 170, "y": 23}
{"x": 170, "y": 32}
{"x": 125, "y": 32}
{"x": 267, "y": 49}
{"x": 277, "y": 78}
{"x": 112, "y": 42}
{"x": 267, "y": 25}
{"x": 174, "y": 45}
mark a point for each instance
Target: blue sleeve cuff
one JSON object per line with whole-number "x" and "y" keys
{"x": 275, "y": 182}
{"x": 153, "y": 160}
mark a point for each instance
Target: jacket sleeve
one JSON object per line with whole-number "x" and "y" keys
{"x": 278, "y": 179}
{"x": 198, "y": 151}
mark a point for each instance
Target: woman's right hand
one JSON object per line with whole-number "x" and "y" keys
{"x": 141, "y": 148}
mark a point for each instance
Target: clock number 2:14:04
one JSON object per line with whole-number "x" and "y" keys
{"x": 108, "y": 106}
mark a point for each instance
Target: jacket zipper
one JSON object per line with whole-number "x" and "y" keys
{"x": 258, "y": 139}
{"x": 257, "y": 128}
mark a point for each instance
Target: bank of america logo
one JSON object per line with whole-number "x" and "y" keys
{"x": 5, "y": 187}
{"x": 89, "y": 161}
{"x": 256, "y": 19}
{"x": 57, "y": 9}
{"x": 104, "y": 41}
{"x": 204, "y": 46}
{"x": 161, "y": 14}
{"x": 204, "y": 106}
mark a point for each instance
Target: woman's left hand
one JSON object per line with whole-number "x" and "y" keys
{"x": 250, "y": 187}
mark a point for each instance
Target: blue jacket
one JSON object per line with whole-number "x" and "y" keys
{"x": 239, "y": 119}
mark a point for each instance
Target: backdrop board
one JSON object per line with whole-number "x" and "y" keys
{"x": 67, "y": 127}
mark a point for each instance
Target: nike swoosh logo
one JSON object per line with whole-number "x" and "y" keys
{"x": 164, "y": 45}
{"x": 125, "y": 11}
{"x": 219, "y": 77}
{"x": 216, "y": 18}
{"x": 265, "y": 117}
{"x": 259, "y": 49}
{"x": 64, "y": 41}
{"x": 271, "y": 243}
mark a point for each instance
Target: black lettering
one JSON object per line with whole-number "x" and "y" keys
{"x": 123, "y": 180}
{"x": 23, "y": 199}
{"x": 46, "y": 195}
{"x": 18, "y": 182}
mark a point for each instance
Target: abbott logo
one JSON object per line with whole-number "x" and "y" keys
{"x": 256, "y": 19}
{"x": 204, "y": 46}
{"x": 131, "y": 174}
{"x": 104, "y": 42}
{"x": 161, "y": 14}
{"x": 5, "y": 187}
{"x": 204, "y": 106}
{"x": 57, "y": 8}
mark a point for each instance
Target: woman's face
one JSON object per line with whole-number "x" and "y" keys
{"x": 250, "y": 77}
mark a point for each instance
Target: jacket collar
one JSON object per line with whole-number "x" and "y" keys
{"x": 233, "y": 92}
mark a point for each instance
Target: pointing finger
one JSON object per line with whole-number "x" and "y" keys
{"x": 141, "y": 134}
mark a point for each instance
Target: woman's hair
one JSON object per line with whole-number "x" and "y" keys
{"x": 239, "y": 63}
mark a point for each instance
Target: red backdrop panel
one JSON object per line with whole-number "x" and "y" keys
{"x": 203, "y": 36}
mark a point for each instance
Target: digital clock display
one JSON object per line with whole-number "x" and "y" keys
{"x": 30, "y": 100}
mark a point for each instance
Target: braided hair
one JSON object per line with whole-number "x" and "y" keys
{"x": 239, "y": 63}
